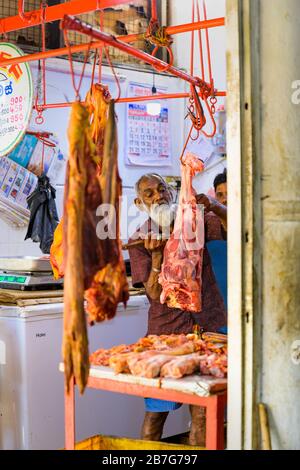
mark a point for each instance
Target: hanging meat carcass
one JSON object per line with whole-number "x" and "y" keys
{"x": 102, "y": 274}
{"x": 75, "y": 341}
{"x": 106, "y": 282}
{"x": 104, "y": 270}
{"x": 182, "y": 267}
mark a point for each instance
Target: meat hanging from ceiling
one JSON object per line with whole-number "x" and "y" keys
{"x": 75, "y": 340}
{"x": 105, "y": 274}
{"x": 182, "y": 266}
{"x": 92, "y": 258}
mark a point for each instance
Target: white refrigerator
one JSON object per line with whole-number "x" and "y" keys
{"x": 32, "y": 388}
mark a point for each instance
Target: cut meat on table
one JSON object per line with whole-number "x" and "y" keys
{"x": 134, "y": 359}
{"x": 150, "y": 366}
{"x": 182, "y": 267}
{"x": 119, "y": 363}
{"x": 171, "y": 356}
{"x": 181, "y": 366}
{"x": 215, "y": 365}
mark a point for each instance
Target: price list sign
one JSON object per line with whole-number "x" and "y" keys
{"x": 16, "y": 95}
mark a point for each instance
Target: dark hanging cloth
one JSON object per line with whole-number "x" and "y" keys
{"x": 43, "y": 214}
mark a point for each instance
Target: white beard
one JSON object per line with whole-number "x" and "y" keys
{"x": 163, "y": 215}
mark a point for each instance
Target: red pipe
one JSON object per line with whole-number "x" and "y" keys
{"x": 153, "y": 10}
{"x": 171, "y": 30}
{"x": 131, "y": 99}
{"x": 53, "y": 13}
{"x": 76, "y": 7}
{"x": 74, "y": 24}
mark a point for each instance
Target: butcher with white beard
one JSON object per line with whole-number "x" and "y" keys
{"x": 155, "y": 197}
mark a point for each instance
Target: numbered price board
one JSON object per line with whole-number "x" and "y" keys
{"x": 16, "y": 98}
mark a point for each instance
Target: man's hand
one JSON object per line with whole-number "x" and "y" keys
{"x": 154, "y": 243}
{"x": 211, "y": 204}
{"x": 156, "y": 246}
{"x": 207, "y": 201}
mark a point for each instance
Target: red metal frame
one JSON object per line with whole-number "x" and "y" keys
{"x": 171, "y": 30}
{"x": 215, "y": 406}
{"x": 72, "y": 23}
{"x": 131, "y": 99}
{"x": 54, "y": 13}
{"x": 153, "y": 10}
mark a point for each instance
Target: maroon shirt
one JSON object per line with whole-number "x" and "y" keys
{"x": 165, "y": 320}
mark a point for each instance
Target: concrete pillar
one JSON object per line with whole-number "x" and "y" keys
{"x": 264, "y": 175}
{"x": 280, "y": 139}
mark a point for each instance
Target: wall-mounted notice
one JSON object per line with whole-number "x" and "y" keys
{"x": 16, "y": 94}
{"x": 28, "y": 154}
{"x": 16, "y": 183}
{"x": 148, "y": 129}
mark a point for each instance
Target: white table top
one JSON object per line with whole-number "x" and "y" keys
{"x": 200, "y": 385}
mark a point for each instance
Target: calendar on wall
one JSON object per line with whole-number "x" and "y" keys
{"x": 148, "y": 129}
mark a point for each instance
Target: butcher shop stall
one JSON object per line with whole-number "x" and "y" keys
{"x": 97, "y": 100}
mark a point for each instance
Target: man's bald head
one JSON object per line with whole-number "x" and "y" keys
{"x": 147, "y": 177}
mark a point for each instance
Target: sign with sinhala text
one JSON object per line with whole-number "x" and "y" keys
{"x": 16, "y": 94}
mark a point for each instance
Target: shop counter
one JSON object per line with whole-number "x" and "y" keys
{"x": 206, "y": 391}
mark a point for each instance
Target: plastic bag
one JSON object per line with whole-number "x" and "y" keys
{"x": 43, "y": 214}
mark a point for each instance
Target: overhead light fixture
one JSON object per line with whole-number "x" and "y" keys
{"x": 153, "y": 107}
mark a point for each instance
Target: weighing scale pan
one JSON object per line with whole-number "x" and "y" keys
{"x": 25, "y": 263}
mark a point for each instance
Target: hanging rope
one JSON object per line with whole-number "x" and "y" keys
{"x": 195, "y": 108}
{"x": 41, "y": 86}
{"x": 206, "y": 89}
{"x": 114, "y": 73}
{"x": 94, "y": 67}
{"x": 158, "y": 37}
{"x": 207, "y": 45}
{"x": 76, "y": 88}
{"x": 100, "y": 50}
{"x": 41, "y": 82}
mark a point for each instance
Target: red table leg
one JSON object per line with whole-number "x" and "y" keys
{"x": 215, "y": 422}
{"x": 70, "y": 417}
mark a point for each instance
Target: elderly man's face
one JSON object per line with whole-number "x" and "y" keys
{"x": 156, "y": 199}
{"x": 154, "y": 191}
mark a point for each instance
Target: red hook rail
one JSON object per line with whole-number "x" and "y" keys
{"x": 170, "y": 30}
{"x": 130, "y": 99}
{"x": 71, "y": 23}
